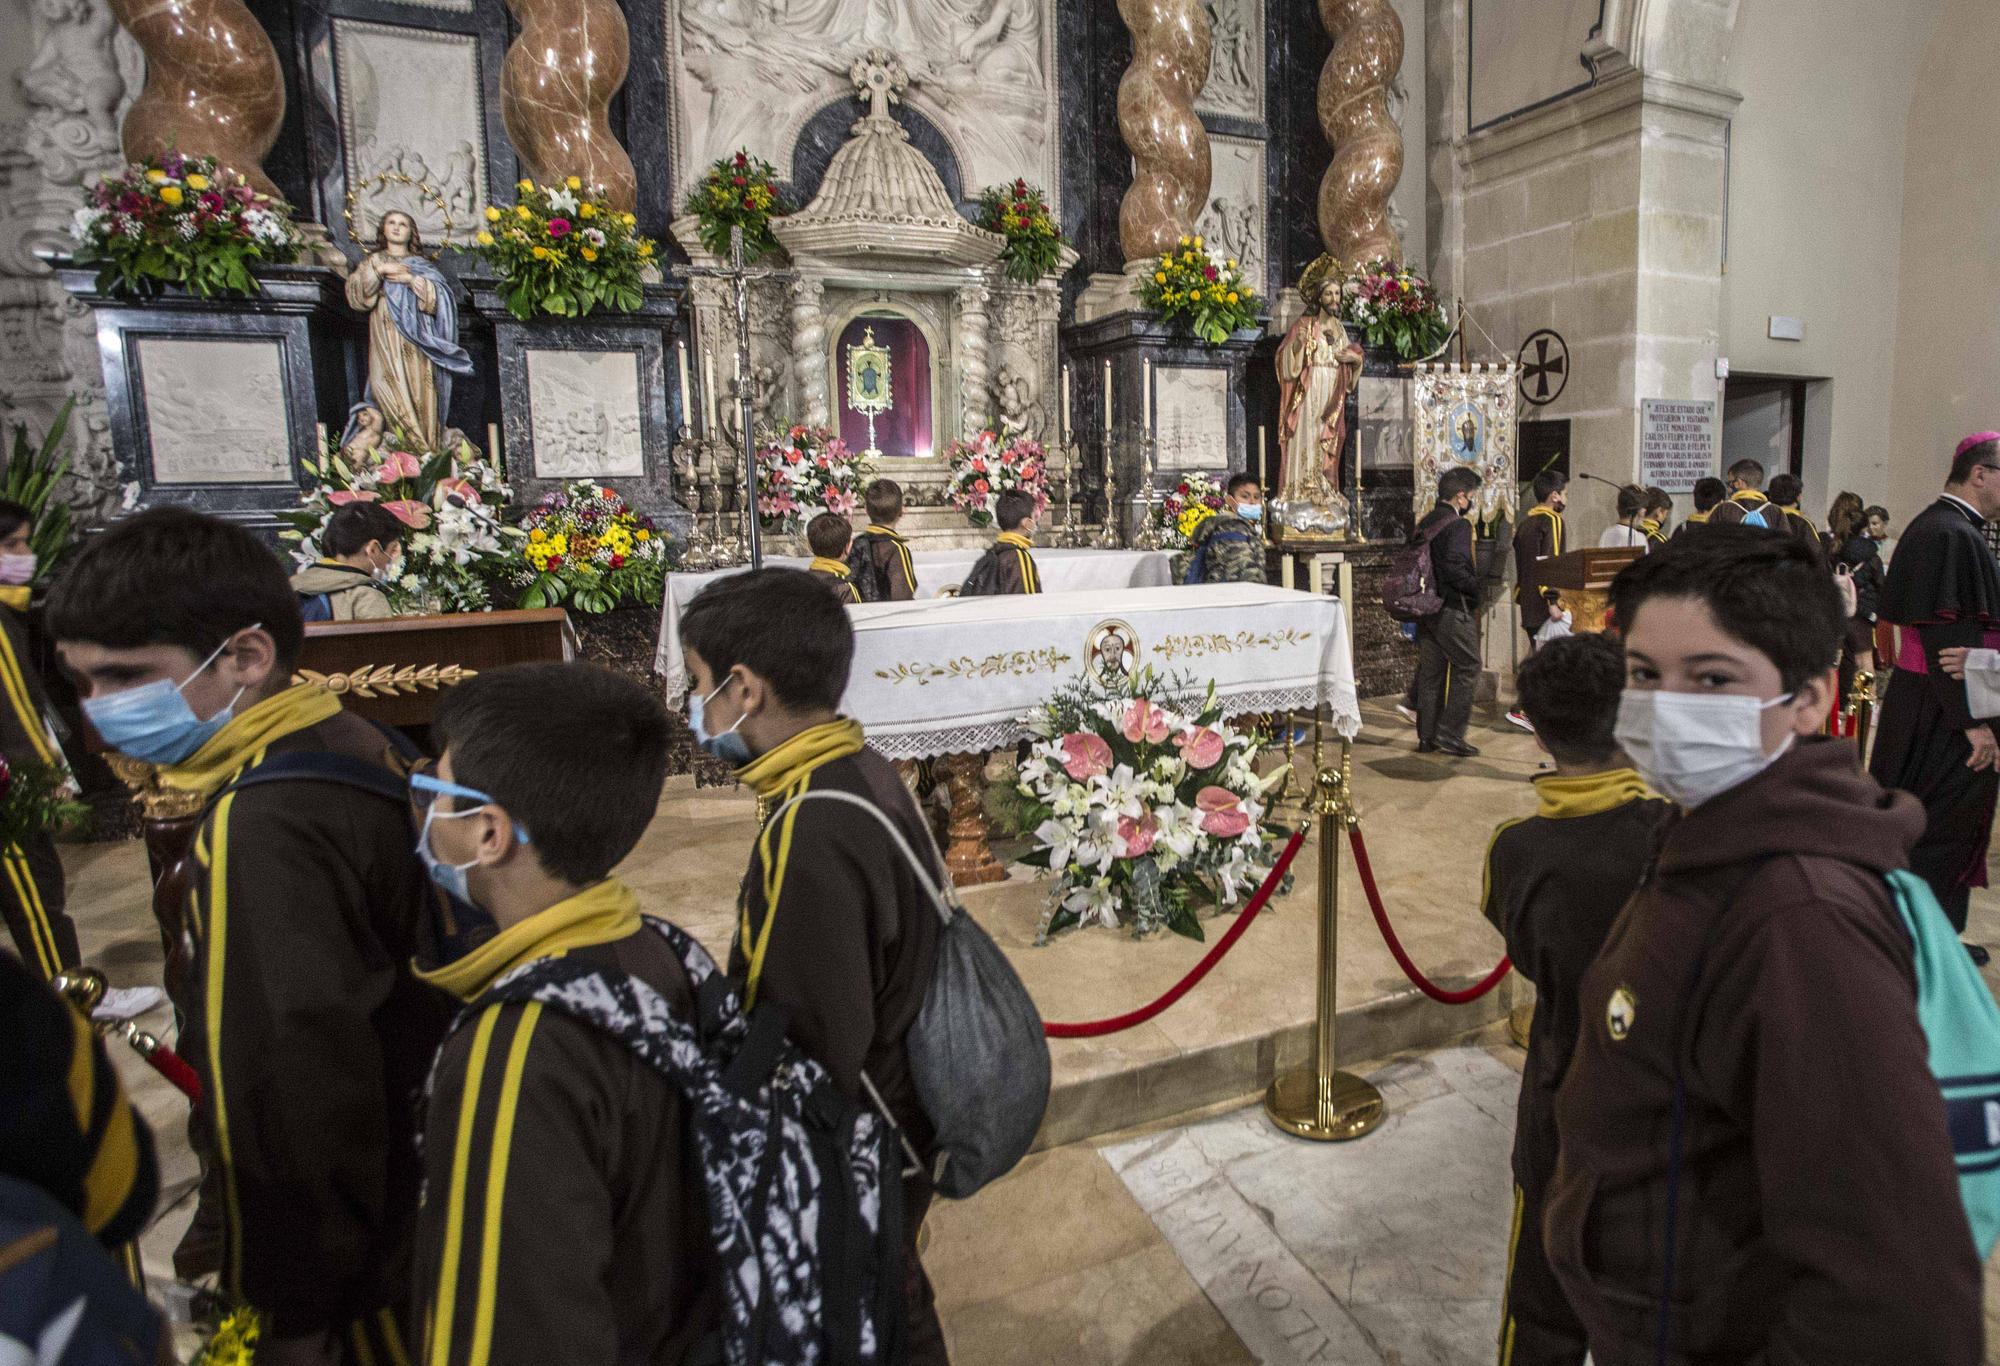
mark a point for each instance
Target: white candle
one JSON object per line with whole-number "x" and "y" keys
{"x": 1065, "y": 421}
{"x": 1259, "y": 471}
{"x": 1107, "y": 399}
{"x": 707, "y": 392}
{"x": 493, "y": 445}
{"x": 687, "y": 390}
{"x": 1146, "y": 395}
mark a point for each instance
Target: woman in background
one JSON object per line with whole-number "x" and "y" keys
{"x": 1853, "y": 552}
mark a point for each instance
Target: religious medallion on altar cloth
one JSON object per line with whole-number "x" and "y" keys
{"x": 868, "y": 384}
{"x": 1111, "y": 653}
{"x": 1465, "y": 419}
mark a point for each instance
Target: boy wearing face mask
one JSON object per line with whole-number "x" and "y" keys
{"x": 1755, "y": 1163}
{"x": 1229, "y": 547}
{"x": 31, "y": 892}
{"x": 831, "y": 922}
{"x": 362, "y": 545}
{"x": 302, "y": 908}
{"x": 568, "y": 1223}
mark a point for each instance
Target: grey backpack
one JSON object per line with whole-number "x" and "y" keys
{"x": 977, "y": 1052}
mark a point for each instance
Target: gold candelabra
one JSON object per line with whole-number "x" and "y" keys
{"x": 1148, "y": 536}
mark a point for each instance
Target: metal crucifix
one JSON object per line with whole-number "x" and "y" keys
{"x": 740, "y": 277}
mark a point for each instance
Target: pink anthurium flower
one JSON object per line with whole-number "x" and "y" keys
{"x": 1222, "y": 812}
{"x": 1085, "y": 756}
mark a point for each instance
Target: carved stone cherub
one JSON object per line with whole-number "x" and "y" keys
{"x": 1014, "y": 397}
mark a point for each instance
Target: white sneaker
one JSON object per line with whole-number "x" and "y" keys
{"x": 1520, "y": 718}
{"x": 122, "y": 1003}
{"x": 1406, "y": 713}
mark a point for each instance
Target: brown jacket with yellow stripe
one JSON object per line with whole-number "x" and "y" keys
{"x": 1006, "y": 567}
{"x": 311, "y": 1034}
{"x": 836, "y": 575}
{"x": 24, "y": 728}
{"x": 563, "y": 1218}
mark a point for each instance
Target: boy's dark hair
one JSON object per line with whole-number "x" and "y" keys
{"x": 780, "y": 624}
{"x": 1012, "y": 508}
{"x": 13, "y": 517}
{"x": 1709, "y": 493}
{"x": 1985, "y": 453}
{"x": 517, "y": 733}
{"x": 1786, "y": 489}
{"x": 828, "y": 535}
{"x": 1770, "y": 592}
{"x": 884, "y": 498}
{"x": 1750, "y": 472}
{"x": 1241, "y": 479}
{"x": 1570, "y": 688}
{"x": 1631, "y": 501}
{"x": 1876, "y": 510}
{"x": 1549, "y": 483}
{"x": 1456, "y": 481}
{"x": 354, "y": 526}
{"x": 172, "y": 576}
{"x": 1658, "y": 500}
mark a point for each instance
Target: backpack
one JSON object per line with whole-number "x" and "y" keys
{"x": 1962, "y": 1026}
{"x": 1755, "y": 517}
{"x": 865, "y": 572}
{"x": 315, "y": 606}
{"x": 977, "y": 1053}
{"x": 1409, "y": 589}
{"x": 804, "y": 1203}
{"x": 322, "y": 766}
{"x": 984, "y": 580}
{"x": 1197, "y": 565}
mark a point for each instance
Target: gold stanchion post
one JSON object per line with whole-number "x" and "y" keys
{"x": 1322, "y": 1102}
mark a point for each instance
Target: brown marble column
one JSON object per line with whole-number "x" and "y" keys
{"x": 556, "y": 87}
{"x": 213, "y": 84}
{"x": 1367, "y": 144}
{"x": 1170, "y": 50}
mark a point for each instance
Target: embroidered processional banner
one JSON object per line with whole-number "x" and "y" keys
{"x": 1466, "y": 418}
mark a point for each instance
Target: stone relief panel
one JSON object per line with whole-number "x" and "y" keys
{"x": 81, "y": 76}
{"x": 1025, "y": 361}
{"x": 1236, "y": 60}
{"x": 1234, "y": 219}
{"x": 215, "y": 411}
{"x": 585, "y": 409}
{"x": 1190, "y": 418}
{"x": 410, "y": 117}
{"x": 749, "y": 73}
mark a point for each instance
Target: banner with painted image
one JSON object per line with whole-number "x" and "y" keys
{"x": 1466, "y": 418}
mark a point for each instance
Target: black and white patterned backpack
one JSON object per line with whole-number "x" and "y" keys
{"x": 804, "y": 1196}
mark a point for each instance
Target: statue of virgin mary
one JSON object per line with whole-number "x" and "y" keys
{"x": 413, "y": 348}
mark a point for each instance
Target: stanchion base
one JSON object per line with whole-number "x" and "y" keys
{"x": 1341, "y": 1107}
{"x": 1519, "y": 1020}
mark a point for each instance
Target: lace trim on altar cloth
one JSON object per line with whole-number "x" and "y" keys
{"x": 984, "y": 737}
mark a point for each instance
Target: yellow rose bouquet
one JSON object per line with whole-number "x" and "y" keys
{"x": 564, "y": 250}
{"x": 1189, "y": 287}
{"x": 181, "y": 220}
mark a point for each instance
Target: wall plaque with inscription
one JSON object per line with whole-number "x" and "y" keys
{"x": 1191, "y": 417}
{"x": 215, "y": 410}
{"x": 1676, "y": 442}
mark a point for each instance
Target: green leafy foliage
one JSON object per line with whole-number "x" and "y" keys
{"x": 1189, "y": 287}
{"x": 564, "y": 251}
{"x": 182, "y": 221}
{"x": 33, "y": 471}
{"x": 1020, "y": 213}
{"x": 739, "y": 191}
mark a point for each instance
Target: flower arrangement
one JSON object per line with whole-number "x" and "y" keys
{"x": 234, "y": 1341}
{"x": 564, "y": 250}
{"x": 806, "y": 472}
{"x": 35, "y": 799}
{"x": 587, "y": 547}
{"x": 1393, "y": 306}
{"x": 1020, "y": 213}
{"x": 1143, "y": 806}
{"x": 1187, "y": 505}
{"x": 1193, "y": 287}
{"x": 181, "y": 220}
{"x": 739, "y": 191}
{"x": 982, "y": 469}
{"x": 452, "y": 501}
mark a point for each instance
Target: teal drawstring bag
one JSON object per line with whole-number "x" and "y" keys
{"x": 1961, "y": 1023}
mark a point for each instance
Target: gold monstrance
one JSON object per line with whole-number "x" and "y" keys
{"x": 868, "y": 384}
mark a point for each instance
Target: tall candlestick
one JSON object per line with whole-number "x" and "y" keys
{"x": 687, "y": 390}
{"x": 1259, "y": 471}
{"x": 707, "y": 392}
{"x": 1065, "y": 421}
{"x": 493, "y": 446}
{"x": 1146, "y": 395}
{"x": 1107, "y": 400}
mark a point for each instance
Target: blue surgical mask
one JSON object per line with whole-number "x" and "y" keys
{"x": 451, "y": 877}
{"x": 730, "y": 747}
{"x": 1250, "y": 512}
{"x": 153, "y": 723}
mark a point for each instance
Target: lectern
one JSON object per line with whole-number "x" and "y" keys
{"x": 391, "y": 670}
{"x": 1582, "y": 579}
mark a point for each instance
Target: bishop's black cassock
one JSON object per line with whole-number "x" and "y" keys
{"x": 1943, "y": 589}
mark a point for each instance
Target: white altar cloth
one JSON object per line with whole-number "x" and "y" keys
{"x": 1063, "y": 571}
{"x": 955, "y": 675}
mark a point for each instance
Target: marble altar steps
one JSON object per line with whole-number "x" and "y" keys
{"x": 1253, "y": 1015}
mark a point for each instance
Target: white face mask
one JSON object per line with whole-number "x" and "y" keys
{"x": 1693, "y": 746}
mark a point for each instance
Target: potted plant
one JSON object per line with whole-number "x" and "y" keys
{"x": 563, "y": 251}
{"x": 175, "y": 220}
{"x": 1391, "y": 307}
{"x": 739, "y": 191}
{"x": 1193, "y": 288}
{"x": 807, "y": 471}
{"x": 1020, "y": 213}
{"x": 983, "y": 468}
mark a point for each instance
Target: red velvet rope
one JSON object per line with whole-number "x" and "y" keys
{"x": 1423, "y": 983}
{"x": 1091, "y": 1029}
{"x": 174, "y": 1068}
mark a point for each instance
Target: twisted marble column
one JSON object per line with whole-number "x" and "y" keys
{"x": 1367, "y": 144}
{"x": 1170, "y": 175}
{"x": 975, "y": 392}
{"x": 809, "y": 348}
{"x": 556, "y": 86}
{"x": 213, "y": 84}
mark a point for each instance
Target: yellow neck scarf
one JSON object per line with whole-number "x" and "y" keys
{"x": 1697, "y": 517}
{"x": 890, "y": 532}
{"x": 1016, "y": 539}
{"x": 598, "y": 914}
{"x": 771, "y": 773}
{"x": 211, "y": 767}
{"x": 1588, "y": 793}
{"x": 1748, "y": 497}
{"x": 16, "y": 597}
{"x": 822, "y": 565}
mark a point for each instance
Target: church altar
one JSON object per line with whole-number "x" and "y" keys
{"x": 955, "y": 675}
